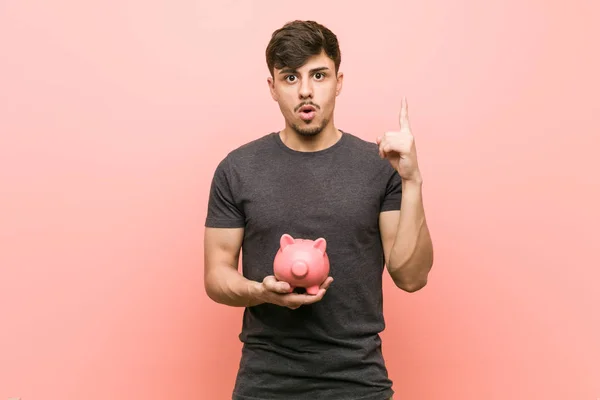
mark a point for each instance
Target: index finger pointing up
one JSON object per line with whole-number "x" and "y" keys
{"x": 404, "y": 124}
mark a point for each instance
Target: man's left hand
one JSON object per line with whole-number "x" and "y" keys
{"x": 399, "y": 149}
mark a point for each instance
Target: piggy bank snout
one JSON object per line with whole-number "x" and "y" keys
{"x": 299, "y": 269}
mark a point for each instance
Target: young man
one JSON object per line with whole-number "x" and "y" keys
{"x": 312, "y": 180}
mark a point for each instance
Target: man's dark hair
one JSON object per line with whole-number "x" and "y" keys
{"x": 294, "y": 43}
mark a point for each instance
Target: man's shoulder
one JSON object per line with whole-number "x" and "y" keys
{"x": 360, "y": 144}
{"x": 366, "y": 151}
{"x": 240, "y": 157}
{"x": 252, "y": 148}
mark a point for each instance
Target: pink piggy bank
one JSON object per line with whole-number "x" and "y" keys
{"x": 302, "y": 263}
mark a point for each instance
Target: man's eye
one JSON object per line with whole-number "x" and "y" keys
{"x": 290, "y": 78}
{"x": 319, "y": 75}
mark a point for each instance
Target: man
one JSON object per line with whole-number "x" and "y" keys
{"x": 312, "y": 180}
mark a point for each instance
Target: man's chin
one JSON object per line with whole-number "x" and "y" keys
{"x": 309, "y": 128}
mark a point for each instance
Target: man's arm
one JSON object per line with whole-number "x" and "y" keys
{"x": 222, "y": 281}
{"x": 406, "y": 240}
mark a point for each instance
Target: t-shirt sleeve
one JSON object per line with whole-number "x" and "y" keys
{"x": 223, "y": 210}
{"x": 393, "y": 192}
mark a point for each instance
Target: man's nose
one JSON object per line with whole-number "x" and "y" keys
{"x": 306, "y": 89}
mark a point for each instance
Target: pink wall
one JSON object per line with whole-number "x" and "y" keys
{"x": 113, "y": 116}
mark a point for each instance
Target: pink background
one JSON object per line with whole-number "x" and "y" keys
{"x": 113, "y": 116}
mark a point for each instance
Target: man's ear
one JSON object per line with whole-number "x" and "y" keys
{"x": 271, "y": 83}
{"x": 339, "y": 84}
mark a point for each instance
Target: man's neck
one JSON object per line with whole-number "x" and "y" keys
{"x": 326, "y": 138}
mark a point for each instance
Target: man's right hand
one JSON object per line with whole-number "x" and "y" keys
{"x": 270, "y": 290}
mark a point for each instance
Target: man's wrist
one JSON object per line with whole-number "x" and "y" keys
{"x": 413, "y": 183}
{"x": 415, "y": 179}
{"x": 255, "y": 292}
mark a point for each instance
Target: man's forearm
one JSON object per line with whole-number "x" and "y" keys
{"x": 411, "y": 257}
{"x": 226, "y": 285}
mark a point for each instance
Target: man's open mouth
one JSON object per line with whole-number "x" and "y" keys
{"x": 307, "y": 109}
{"x": 307, "y": 113}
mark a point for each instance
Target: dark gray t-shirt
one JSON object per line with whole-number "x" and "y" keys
{"x": 330, "y": 349}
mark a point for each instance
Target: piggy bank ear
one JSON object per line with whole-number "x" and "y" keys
{"x": 320, "y": 244}
{"x": 285, "y": 240}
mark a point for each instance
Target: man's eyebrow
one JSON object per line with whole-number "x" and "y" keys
{"x": 293, "y": 71}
